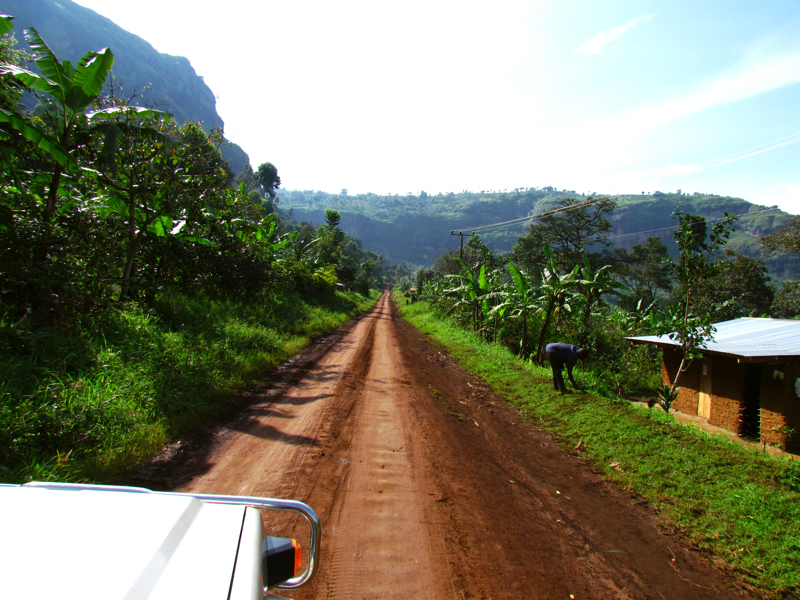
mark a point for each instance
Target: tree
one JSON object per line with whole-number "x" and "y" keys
{"x": 739, "y": 288}
{"x": 475, "y": 253}
{"x": 52, "y": 159}
{"x": 157, "y": 188}
{"x": 247, "y": 178}
{"x": 10, "y": 88}
{"x": 574, "y": 225}
{"x": 528, "y": 251}
{"x": 520, "y": 300}
{"x": 696, "y": 264}
{"x": 332, "y": 219}
{"x": 646, "y": 272}
{"x": 786, "y": 304}
{"x": 593, "y": 284}
{"x": 267, "y": 175}
{"x": 331, "y": 239}
{"x": 447, "y": 263}
{"x": 472, "y": 293}
{"x": 784, "y": 241}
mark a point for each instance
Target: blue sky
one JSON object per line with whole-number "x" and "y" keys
{"x": 606, "y": 96}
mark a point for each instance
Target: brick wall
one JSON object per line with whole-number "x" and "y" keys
{"x": 780, "y": 406}
{"x": 727, "y": 392}
{"x": 689, "y": 382}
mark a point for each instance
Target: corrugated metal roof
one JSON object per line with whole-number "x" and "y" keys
{"x": 746, "y": 337}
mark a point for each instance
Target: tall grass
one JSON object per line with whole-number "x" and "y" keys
{"x": 739, "y": 504}
{"x": 87, "y": 399}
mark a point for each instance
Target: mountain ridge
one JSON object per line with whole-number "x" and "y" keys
{"x": 164, "y": 81}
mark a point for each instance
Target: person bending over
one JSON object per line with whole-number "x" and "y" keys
{"x": 560, "y": 355}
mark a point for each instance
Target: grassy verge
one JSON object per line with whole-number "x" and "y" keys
{"x": 88, "y": 399}
{"x": 737, "y": 503}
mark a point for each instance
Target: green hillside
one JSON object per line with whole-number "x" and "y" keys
{"x": 415, "y": 229}
{"x": 170, "y": 81}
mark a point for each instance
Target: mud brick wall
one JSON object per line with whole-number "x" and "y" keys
{"x": 780, "y": 406}
{"x": 689, "y": 382}
{"x": 727, "y": 392}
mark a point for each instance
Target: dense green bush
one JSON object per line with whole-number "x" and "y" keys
{"x": 106, "y": 389}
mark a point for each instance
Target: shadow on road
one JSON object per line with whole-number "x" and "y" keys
{"x": 268, "y": 432}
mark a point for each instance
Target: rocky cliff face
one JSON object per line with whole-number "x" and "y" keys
{"x": 167, "y": 82}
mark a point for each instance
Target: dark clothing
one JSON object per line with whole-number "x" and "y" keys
{"x": 560, "y": 355}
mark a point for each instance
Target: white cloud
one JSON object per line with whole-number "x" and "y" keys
{"x": 599, "y": 41}
{"x": 751, "y": 77}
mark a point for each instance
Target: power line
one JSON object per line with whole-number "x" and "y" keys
{"x": 747, "y": 214}
{"x": 503, "y": 224}
{"x": 755, "y": 150}
{"x": 436, "y": 254}
{"x": 611, "y": 237}
{"x": 493, "y": 226}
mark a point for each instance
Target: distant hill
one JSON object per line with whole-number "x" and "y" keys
{"x": 415, "y": 229}
{"x": 172, "y": 85}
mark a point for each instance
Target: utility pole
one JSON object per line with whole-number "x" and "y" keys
{"x": 461, "y": 251}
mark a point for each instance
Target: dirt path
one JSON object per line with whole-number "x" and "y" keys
{"x": 430, "y": 487}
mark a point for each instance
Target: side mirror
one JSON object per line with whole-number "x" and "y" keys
{"x": 280, "y": 560}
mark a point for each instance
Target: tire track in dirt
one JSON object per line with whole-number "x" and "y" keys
{"x": 429, "y": 486}
{"x": 381, "y": 545}
{"x": 280, "y": 439}
{"x": 346, "y": 414}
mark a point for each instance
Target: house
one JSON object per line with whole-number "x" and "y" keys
{"x": 748, "y": 380}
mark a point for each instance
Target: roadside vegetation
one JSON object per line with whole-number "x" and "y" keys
{"x": 737, "y": 503}
{"x": 89, "y": 402}
{"x": 496, "y": 313}
{"x": 142, "y": 283}
{"x": 563, "y": 282}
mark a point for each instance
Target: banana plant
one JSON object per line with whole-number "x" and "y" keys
{"x": 68, "y": 123}
{"x": 72, "y": 90}
{"x": 5, "y": 24}
{"x": 555, "y": 290}
{"x": 519, "y": 302}
{"x": 431, "y": 290}
{"x": 471, "y": 292}
{"x": 593, "y": 284}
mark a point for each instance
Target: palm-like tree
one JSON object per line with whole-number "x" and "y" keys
{"x": 519, "y": 301}
{"x": 555, "y": 290}
{"x": 472, "y": 292}
{"x": 68, "y": 123}
{"x": 593, "y": 284}
{"x": 72, "y": 90}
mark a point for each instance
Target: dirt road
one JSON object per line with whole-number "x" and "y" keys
{"x": 429, "y": 486}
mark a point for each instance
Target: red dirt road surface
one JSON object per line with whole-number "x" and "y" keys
{"x": 429, "y": 486}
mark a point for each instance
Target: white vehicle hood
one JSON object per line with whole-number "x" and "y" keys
{"x": 90, "y": 544}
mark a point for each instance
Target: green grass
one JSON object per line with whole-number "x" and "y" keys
{"x": 740, "y": 505}
{"x": 88, "y": 399}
